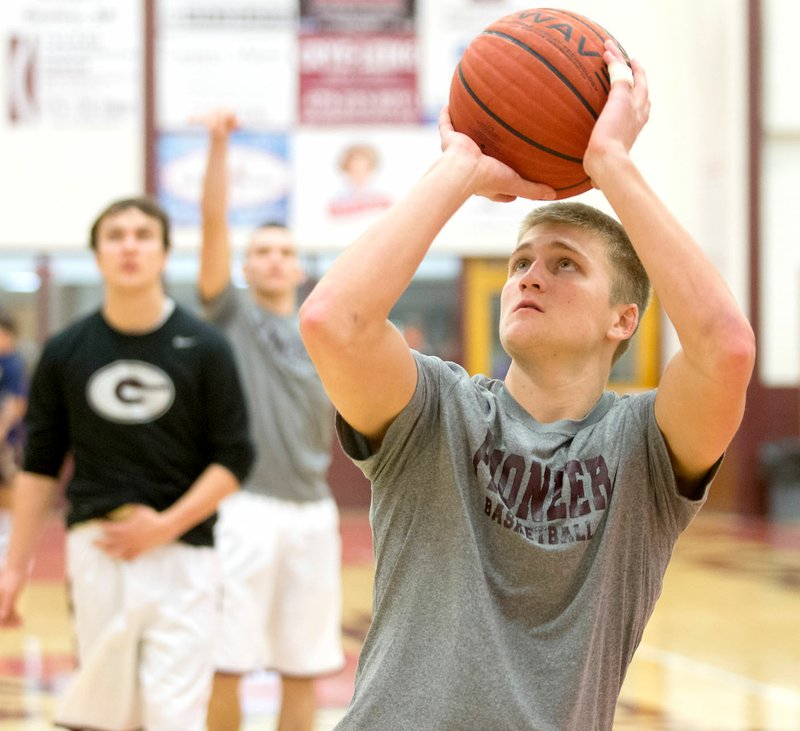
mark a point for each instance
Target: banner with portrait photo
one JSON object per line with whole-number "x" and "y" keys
{"x": 347, "y": 177}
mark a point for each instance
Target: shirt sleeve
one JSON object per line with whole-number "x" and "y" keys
{"x": 414, "y": 427}
{"x": 673, "y": 509}
{"x": 46, "y": 420}
{"x": 223, "y": 307}
{"x": 228, "y": 433}
{"x": 14, "y": 379}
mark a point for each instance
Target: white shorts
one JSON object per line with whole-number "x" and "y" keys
{"x": 145, "y": 636}
{"x": 281, "y": 569}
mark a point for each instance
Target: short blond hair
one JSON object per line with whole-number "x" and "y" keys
{"x": 629, "y": 281}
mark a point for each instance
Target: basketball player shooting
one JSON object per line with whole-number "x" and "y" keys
{"x": 523, "y": 526}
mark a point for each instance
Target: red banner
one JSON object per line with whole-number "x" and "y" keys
{"x": 359, "y": 78}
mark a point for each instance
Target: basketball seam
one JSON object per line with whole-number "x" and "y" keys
{"x": 583, "y": 22}
{"x": 592, "y": 26}
{"x": 574, "y": 185}
{"x": 549, "y": 65}
{"x": 511, "y": 129}
{"x": 602, "y": 78}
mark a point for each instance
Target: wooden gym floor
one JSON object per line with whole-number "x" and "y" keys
{"x": 721, "y": 653}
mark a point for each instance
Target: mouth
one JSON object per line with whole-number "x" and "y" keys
{"x": 528, "y": 305}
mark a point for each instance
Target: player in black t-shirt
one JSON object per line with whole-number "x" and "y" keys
{"x": 147, "y": 399}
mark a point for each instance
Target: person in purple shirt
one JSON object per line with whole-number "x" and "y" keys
{"x": 13, "y": 402}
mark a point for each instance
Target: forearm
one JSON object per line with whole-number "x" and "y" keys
{"x": 11, "y": 412}
{"x": 200, "y": 501}
{"x": 706, "y": 317}
{"x": 215, "y": 252}
{"x": 214, "y": 197}
{"x": 32, "y": 498}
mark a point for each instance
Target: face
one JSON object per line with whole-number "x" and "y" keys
{"x": 130, "y": 250}
{"x": 557, "y": 298}
{"x": 6, "y": 341}
{"x": 271, "y": 266}
{"x": 359, "y": 168}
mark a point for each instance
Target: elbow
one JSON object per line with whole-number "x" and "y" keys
{"x": 321, "y": 322}
{"x": 735, "y": 349}
{"x": 334, "y": 325}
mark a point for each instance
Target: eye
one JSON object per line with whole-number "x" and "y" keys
{"x": 520, "y": 265}
{"x": 566, "y": 264}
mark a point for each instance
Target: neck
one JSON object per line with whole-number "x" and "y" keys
{"x": 278, "y": 304}
{"x": 556, "y": 393}
{"x": 134, "y": 311}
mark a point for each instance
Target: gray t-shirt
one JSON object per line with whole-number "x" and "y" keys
{"x": 291, "y": 418}
{"x": 517, "y": 562}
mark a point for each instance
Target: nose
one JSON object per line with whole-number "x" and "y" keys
{"x": 129, "y": 241}
{"x": 533, "y": 278}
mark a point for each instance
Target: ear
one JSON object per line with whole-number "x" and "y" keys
{"x": 246, "y": 269}
{"x": 624, "y": 322}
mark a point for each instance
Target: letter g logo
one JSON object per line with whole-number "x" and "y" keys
{"x": 130, "y": 392}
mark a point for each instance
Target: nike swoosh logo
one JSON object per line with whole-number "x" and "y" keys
{"x": 184, "y": 341}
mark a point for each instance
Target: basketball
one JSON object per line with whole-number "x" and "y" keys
{"x": 528, "y": 91}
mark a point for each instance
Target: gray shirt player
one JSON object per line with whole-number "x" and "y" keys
{"x": 517, "y": 562}
{"x": 291, "y": 418}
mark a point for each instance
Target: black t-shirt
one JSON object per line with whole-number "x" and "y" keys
{"x": 143, "y": 415}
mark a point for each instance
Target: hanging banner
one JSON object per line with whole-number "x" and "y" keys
{"x": 358, "y": 173}
{"x": 355, "y": 16}
{"x": 361, "y": 78}
{"x": 237, "y": 55}
{"x": 358, "y": 62}
{"x": 259, "y": 173}
{"x": 73, "y": 64}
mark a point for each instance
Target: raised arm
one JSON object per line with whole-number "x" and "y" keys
{"x": 215, "y": 255}
{"x": 701, "y": 396}
{"x": 363, "y": 360}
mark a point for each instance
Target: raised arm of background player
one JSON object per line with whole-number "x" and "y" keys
{"x": 215, "y": 254}
{"x": 701, "y": 395}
